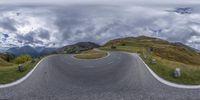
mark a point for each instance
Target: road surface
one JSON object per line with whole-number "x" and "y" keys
{"x": 120, "y": 76}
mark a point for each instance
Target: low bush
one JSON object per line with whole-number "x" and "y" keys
{"x": 22, "y": 59}
{"x": 113, "y": 47}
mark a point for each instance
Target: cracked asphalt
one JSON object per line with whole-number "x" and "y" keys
{"x": 120, "y": 76}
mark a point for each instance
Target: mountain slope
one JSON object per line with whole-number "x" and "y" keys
{"x": 2, "y": 49}
{"x": 76, "y": 48}
{"x": 45, "y": 50}
{"x": 17, "y": 51}
{"x": 161, "y": 48}
{"x": 5, "y": 58}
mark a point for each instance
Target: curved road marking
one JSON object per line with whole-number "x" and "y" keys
{"x": 153, "y": 73}
{"x": 167, "y": 82}
{"x": 29, "y": 73}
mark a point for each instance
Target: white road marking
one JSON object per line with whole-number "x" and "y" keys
{"x": 153, "y": 73}
{"x": 69, "y": 63}
{"x": 167, "y": 82}
{"x": 23, "y": 78}
{"x": 110, "y": 62}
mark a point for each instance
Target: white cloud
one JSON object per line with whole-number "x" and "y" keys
{"x": 46, "y": 26}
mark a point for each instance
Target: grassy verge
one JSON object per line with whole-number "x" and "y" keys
{"x": 91, "y": 54}
{"x": 9, "y": 73}
{"x": 190, "y": 73}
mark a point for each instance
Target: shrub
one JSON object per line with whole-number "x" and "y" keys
{"x": 113, "y": 47}
{"x": 123, "y": 44}
{"x": 22, "y": 59}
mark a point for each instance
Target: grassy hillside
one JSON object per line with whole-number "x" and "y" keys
{"x": 161, "y": 48}
{"x": 4, "y": 63}
{"x": 168, "y": 56}
{"x": 5, "y": 59}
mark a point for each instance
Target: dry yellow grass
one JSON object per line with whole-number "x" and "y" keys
{"x": 91, "y": 54}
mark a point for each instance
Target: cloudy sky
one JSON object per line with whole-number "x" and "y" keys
{"x": 101, "y": 1}
{"x": 58, "y": 23}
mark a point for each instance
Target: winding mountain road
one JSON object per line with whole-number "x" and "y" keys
{"x": 120, "y": 76}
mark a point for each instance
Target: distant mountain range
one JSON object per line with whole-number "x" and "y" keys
{"x": 17, "y": 51}
{"x": 34, "y": 52}
{"x": 80, "y": 46}
{"x": 41, "y": 51}
{"x": 3, "y": 49}
{"x": 174, "y": 51}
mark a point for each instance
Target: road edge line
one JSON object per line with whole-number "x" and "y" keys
{"x": 23, "y": 78}
{"x": 168, "y": 83}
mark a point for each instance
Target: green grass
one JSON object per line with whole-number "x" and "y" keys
{"x": 9, "y": 73}
{"x": 168, "y": 57}
{"x": 91, "y": 54}
{"x": 165, "y": 68}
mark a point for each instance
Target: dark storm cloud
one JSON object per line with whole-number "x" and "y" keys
{"x": 32, "y": 37}
{"x": 68, "y": 18}
{"x": 8, "y": 24}
{"x": 5, "y": 35}
{"x": 27, "y": 37}
{"x": 67, "y": 26}
{"x": 44, "y": 34}
{"x": 79, "y": 19}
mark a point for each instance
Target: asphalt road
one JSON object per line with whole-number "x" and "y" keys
{"x": 120, "y": 76}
